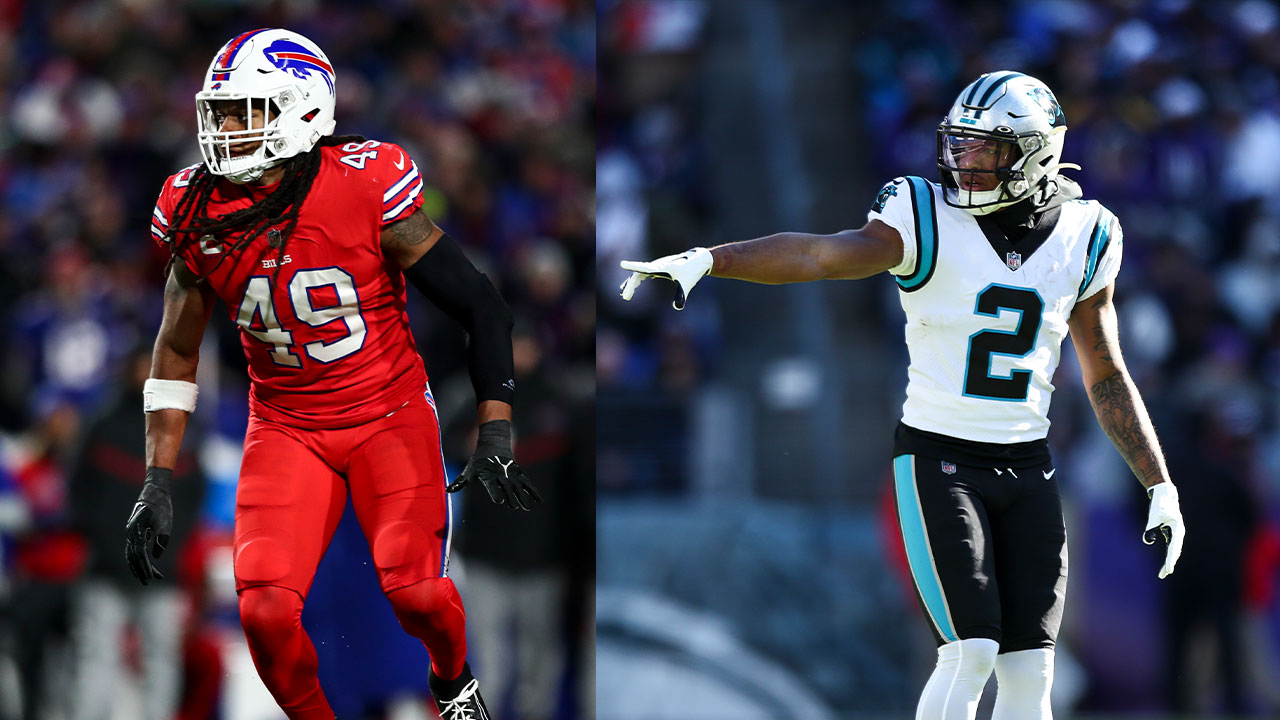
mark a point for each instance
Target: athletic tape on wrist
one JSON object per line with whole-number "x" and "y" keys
{"x": 168, "y": 394}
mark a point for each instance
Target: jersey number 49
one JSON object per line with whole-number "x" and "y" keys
{"x": 257, "y": 304}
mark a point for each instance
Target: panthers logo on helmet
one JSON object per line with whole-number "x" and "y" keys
{"x": 1044, "y": 97}
{"x": 296, "y": 59}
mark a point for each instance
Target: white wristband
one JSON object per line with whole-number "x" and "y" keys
{"x": 168, "y": 394}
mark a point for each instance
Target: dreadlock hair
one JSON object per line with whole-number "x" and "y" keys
{"x": 191, "y": 223}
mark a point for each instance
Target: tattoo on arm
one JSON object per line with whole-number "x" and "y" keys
{"x": 1101, "y": 338}
{"x": 1124, "y": 419}
{"x": 407, "y": 240}
{"x": 1114, "y": 397}
{"x": 413, "y": 230}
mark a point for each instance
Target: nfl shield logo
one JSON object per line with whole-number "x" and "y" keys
{"x": 1013, "y": 260}
{"x": 949, "y": 468}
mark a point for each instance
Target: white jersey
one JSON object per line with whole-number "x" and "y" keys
{"x": 986, "y": 319}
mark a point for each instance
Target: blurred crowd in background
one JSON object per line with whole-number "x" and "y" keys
{"x": 494, "y": 99}
{"x": 1173, "y": 112}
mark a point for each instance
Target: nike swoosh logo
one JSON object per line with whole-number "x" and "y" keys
{"x": 1049, "y": 474}
{"x": 136, "y": 510}
{"x": 399, "y": 165}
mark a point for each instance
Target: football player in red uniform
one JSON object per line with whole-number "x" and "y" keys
{"x": 309, "y": 240}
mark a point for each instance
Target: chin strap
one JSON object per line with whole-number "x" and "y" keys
{"x": 1055, "y": 192}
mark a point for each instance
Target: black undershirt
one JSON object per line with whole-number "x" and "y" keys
{"x": 1016, "y": 229}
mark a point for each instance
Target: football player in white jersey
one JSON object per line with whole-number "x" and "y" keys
{"x": 995, "y": 264}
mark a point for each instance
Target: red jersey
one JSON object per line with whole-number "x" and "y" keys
{"x": 328, "y": 340}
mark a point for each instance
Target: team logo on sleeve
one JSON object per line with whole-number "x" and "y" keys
{"x": 1013, "y": 260}
{"x": 890, "y": 190}
{"x": 301, "y": 62}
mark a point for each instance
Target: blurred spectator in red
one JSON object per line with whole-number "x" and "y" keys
{"x": 48, "y": 557}
{"x": 105, "y": 480}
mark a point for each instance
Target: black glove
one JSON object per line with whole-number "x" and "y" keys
{"x": 149, "y": 526}
{"x": 494, "y": 464}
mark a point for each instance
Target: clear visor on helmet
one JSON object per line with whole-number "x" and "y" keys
{"x": 978, "y": 163}
{"x": 979, "y": 160}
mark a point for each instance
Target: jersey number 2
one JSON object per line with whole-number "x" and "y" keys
{"x": 1019, "y": 342}
{"x": 257, "y": 302}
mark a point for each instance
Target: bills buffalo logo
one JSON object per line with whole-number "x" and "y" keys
{"x": 299, "y": 61}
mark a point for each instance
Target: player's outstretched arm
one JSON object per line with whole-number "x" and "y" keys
{"x": 1123, "y": 416}
{"x": 169, "y": 396}
{"x": 776, "y": 259}
{"x": 434, "y": 263}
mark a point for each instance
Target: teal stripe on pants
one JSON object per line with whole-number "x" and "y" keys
{"x": 916, "y": 540}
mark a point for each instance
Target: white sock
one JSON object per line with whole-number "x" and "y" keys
{"x": 956, "y": 683}
{"x": 1025, "y": 678}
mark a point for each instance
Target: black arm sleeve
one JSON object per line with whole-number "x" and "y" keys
{"x": 450, "y": 281}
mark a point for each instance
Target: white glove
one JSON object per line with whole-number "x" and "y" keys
{"x": 685, "y": 270}
{"x": 1164, "y": 519}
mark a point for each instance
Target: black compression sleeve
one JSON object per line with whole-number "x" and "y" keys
{"x": 450, "y": 281}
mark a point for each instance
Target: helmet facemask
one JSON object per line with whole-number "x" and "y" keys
{"x": 988, "y": 170}
{"x": 281, "y": 85}
{"x": 259, "y": 120}
{"x": 1001, "y": 143}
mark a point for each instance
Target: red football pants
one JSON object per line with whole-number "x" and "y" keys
{"x": 288, "y": 504}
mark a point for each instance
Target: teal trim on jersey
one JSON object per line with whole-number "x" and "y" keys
{"x": 1097, "y": 247}
{"x": 916, "y": 541}
{"x": 924, "y": 208}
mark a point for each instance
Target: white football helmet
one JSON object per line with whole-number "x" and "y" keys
{"x": 1001, "y": 143}
{"x": 280, "y": 73}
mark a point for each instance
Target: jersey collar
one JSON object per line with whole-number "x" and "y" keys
{"x": 1011, "y": 238}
